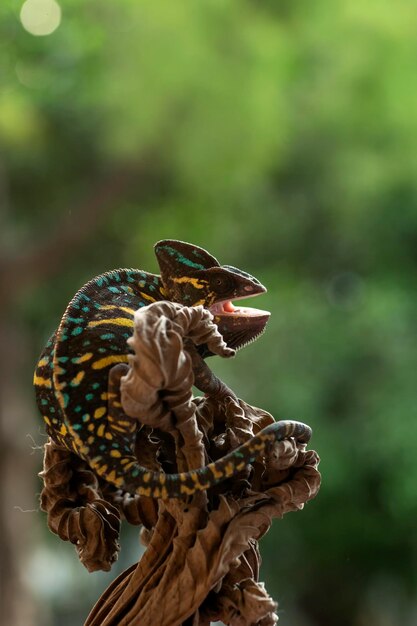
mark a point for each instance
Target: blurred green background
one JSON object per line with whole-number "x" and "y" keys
{"x": 282, "y": 137}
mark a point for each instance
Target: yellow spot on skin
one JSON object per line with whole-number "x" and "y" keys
{"x": 63, "y": 430}
{"x": 117, "y": 405}
{"x": 81, "y": 359}
{"x": 117, "y": 321}
{"x": 195, "y": 478}
{"x": 108, "y": 360}
{"x": 108, "y": 436}
{"x": 144, "y": 491}
{"x": 124, "y": 427}
{"x": 187, "y": 491}
{"x": 100, "y": 430}
{"x": 77, "y": 379}
{"x": 198, "y": 283}
{"x": 47, "y": 420}
{"x": 90, "y": 440}
{"x": 156, "y": 492}
{"x": 164, "y": 493}
{"x": 111, "y": 477}
{"x": 229, "y": 470}
{"x": 100, "y": 412}
{"x": 126, "y": 309}
{"x": 43, "y": 362}
{"x": 42, "y": 382}
{"x": 127, "y": 463}
{"x": 163, "y": 292}
{"x": 91, "y": 427}
{"x": 115, "y": 453}
{"x": 241, "y": 466}
{"x": 146, "y": 297}
{"x": 162, "y": 479}
{"x": 216, "y": 473}
{"x": 182, "y": 477}
{"x": 146, "y": 477}
{"x": 119, "y": 430}
{"x": 106, "y": 395}
{"x": 101, "y": 469}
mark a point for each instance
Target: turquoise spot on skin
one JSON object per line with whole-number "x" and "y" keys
{"x": 182, "y": 259}
{"x": 151, "y": 287}
{"x": 114, "y": 289}
{"x": 97, "y": 305}
{"x": 77, "y": 331}
{"x": 86, "y": 343}
{"x": 66, "y": 399}
{"x": 100, "y": 282}
{"x": 51, "y": 409}
{"x": 89, "y": 396}
{"x": 103, "y": 448}
{"x": 142, "y": 283}
{"x": 75, "y": 320}
{"x": 78, "y": 408}
{"x": 101, "y": 350}
{"x": 77, "y": 426}
{"x": 84, "y": 297}
{"x": 135, "y": 472}
{"x": 44, "y": 402}
{"x": 107, "y": 336}
{"x": 115, "y": 445}
{"x": 85, "y": 417}
{"x": 95, "y": 385}
{"x": 116, "y": 277}
{"x": 63, "y": 359}
{"x": 130, "y": 278}
{"x": 63, "y": 337}
{"x": 86, "y": 309}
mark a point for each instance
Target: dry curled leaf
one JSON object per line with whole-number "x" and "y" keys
{"x": 201, "y": 560}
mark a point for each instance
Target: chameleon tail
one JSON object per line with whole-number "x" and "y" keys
{"x": 141, "y": 481}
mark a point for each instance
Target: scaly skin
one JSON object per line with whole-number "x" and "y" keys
{"x": 77, "y": 383}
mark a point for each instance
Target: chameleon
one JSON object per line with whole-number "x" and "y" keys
{"x": 74, "y": 377}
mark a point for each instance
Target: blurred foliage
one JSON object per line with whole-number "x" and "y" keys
{"x": 282, "y": 137}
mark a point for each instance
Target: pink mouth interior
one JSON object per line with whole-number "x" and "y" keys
{"x": 228, "y": 308}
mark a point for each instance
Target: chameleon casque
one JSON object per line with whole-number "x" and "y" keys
{"x": 72, "y": 376}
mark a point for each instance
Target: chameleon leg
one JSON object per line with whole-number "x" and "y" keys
{"x": 205, "y": 380}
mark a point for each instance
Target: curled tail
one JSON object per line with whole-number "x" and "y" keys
{"x": 142, "y": 481}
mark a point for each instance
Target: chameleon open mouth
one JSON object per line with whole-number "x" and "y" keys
{"x": 239, "y": 325}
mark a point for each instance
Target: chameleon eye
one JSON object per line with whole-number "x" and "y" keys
{"x": 221, "y": 283}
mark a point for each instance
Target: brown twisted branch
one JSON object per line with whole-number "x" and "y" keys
{"x": 201, "y": 561}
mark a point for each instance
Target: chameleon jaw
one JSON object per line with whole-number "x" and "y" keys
{"x": 239, "y": 326}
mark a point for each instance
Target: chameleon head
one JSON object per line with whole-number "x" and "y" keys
{"x": 192, "y": 276}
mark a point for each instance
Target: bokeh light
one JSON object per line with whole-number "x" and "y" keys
{"x": 40, "y": 17}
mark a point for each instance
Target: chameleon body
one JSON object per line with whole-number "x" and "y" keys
{"x": 76, "y": 378}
